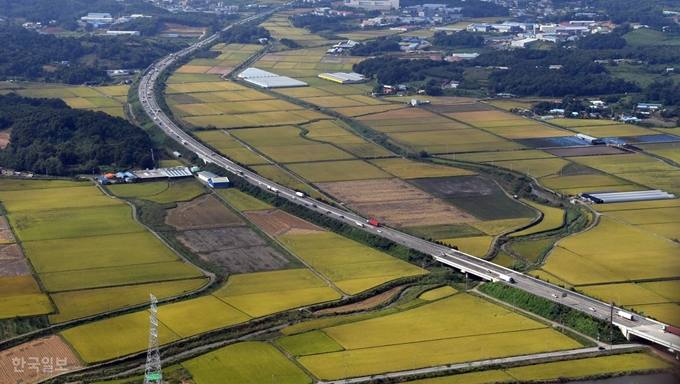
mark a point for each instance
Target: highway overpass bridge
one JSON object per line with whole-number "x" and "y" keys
{"x": 642, "y": 328}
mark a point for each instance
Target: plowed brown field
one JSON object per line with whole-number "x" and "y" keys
{"x": 395, "y": 203}
{"x": 12, "y": 261}
{"x": 202, "y": 213}
{"x": 37, "y": 360}
{"x": 279, "y": 223}
{"x": 235, "y": 250}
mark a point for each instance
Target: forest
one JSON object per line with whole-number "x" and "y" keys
{"x": 244, "y": 34}
{"x": 317, "y": 24}
{"x": 50, "y": 137}
{"x": 33, "y": 56}
{"x": 65, "y": 13}
{"x": 392, "y": 70}
{"x": 378, "y": 46}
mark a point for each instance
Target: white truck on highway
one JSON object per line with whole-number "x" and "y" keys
{"x": 626, "y": 315}
{"x": 299, "y": 194}
{"x": 506, "y": 278}
{"x": 359, "y": 224}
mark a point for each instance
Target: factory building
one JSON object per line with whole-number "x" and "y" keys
{"x": 625, "y": 197}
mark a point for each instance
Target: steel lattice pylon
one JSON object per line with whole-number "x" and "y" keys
{"x": 152, "y": 373}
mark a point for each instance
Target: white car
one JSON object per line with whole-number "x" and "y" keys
{"x": 592, "y": 309}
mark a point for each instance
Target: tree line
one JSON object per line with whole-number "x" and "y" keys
{"x": 66, "y": 13}
{"x": 50, "y": 137}
{"x": 392, "y": 70}
{"x": 244, "y": 34}
{"x": 32, "y": 56}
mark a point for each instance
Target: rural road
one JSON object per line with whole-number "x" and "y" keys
{"x": 641, "y": 326}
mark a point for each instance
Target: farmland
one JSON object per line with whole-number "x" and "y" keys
{"x": 241, "y": 201}
{"x": 181, "y": 320}
{"x": 552, "y": 218}
{"x": 50, "y": 351}
{"x": 245, "y": 362}
{"x": 475, "y": 245}
{"x": 92, "y": 301}
{"x": 109, "y": 99}
{"x": 233, "y": 249}
{"x": 259, "y": 294}
{"x": 623, "y": 257}
{"x": 426, "y": 332}
{"x": 395, "y": 202}
{"x": 282, "y": 177}
{"x": 116, "y": 336}
{"x": 279, "y": 223}
{"x": 201, "y": 213}
{"x": 406, "y": 169}
{"x": 160, "y": 191}
{"x": 638, "y": 169}
{"x": 475, "y": 195}
{"x": 332, "y": 133}
{"x": 75, "y": 213}
{"x": 337, "y": 171}
{"x": 346, "y": 263}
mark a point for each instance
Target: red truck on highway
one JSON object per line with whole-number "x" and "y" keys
{"x": 373, "y": 223}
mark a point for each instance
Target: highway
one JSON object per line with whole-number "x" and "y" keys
{"x": 642, "y": 327}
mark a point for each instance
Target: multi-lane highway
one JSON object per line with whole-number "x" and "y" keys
{"x": 641, "y": 327}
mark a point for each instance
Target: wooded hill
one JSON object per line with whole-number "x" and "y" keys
{"x": 50, "y": 137}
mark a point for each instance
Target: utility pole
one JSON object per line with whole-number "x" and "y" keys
{"x": 152, "y": 372}
{"x": 611, "y": 325}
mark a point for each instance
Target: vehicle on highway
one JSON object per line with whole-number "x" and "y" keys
{"x": 299, "y": 194}
{"x": 626, "y": 315}
{"x": 592, "y": 309}
{"x": 379, "y": 231}
{"x": 359, "y": 224}
{"x": 506, "y": 278}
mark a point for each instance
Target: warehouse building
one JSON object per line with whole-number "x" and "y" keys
{"x": 219, "y": 182}
{"x": 206, "y": 176}
{"x": 266, "y": 79}
{"x": 589, "y": 139}
{"x": 343, "y": 78}
{"x": 625, "y": 197}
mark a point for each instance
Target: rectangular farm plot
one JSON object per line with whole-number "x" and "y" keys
{"x": 218, "y": 140}
{"x": 233, "y": 249}
{"x": 208, "y": 86}
{"x": 525, "y": 131}
{"x": 583, "y": 183}
{"x": 118, "y": 276}
{"x": 25, "y": 305}
{"x": 241, "y": 201}
{"x": 649, "y": 216}
{"x": 666, "y": 312}
{"x": 82, "y": 303}
{"x": 367, "y": 109}
{"x": 282, "y": 177}
{"x": 342, "y": 260}
{"x": 70, "y": 223}
{"x": 395, "y": 202}
{"x": 449, "y": 335}
{"x": 58, "y": 255}
{"x": 446, "y": 141}
{"x": 536, "y": 168}
{"x": 637, "y": 168}
{"x": 337, "y": 171}
{"x": 52, "y": 348}
{"x": 406, "y": 169}
{"x": 177, "y": 78}
{"x": 625, "y": 257}
{"x": 252, "y": 107}
{"x": 483, "y": 116}
{"x": 256, "y": 119}
{"x": 476, "y": 195}
{"x": 254, "y": 362}
{"x": 271, "y": 136}
{"x": 182, "y": 317}
{"x": 618, "y": 130}
{"x": 487, "y": 157}
{"x": 627, "y": 294}
{"x": 476, "y": 246}
{"x": 314, "y": 342}
{"x": 262, "y": 304}
{"x": 115, "y": 337}
{"x": 278, "y": 223}
{"x": 304, "y": 153}
{"x": 43, "y": 199}
{"x": 197, "y": 109}
{"x": 243, "y": 156}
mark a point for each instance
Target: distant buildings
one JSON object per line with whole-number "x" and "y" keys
{"x": 381, "y": 5}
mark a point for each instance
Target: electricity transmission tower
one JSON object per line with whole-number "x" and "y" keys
{"x": 152, "y": 373}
